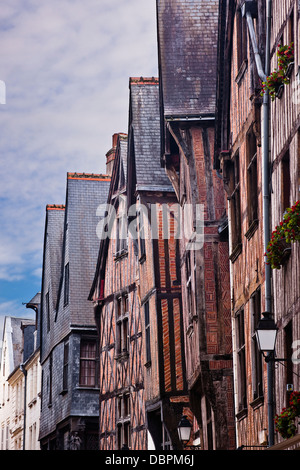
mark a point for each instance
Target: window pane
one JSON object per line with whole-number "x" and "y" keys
{"x": 88, "y": 363}
{"x": 87, "y": 373}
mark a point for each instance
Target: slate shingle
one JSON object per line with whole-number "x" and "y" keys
{"x": 145, "y": 125}
{"x": 84, "y": 194}
{"x": 187, "y": 42}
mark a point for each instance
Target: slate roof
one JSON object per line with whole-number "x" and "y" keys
{"x": 54, "y": 233}
{"x": 14, "y": 335}
{"x": 187, "y": 49}
{"x": 144, "y": 126}
{"x": 71, "y": 238}
{"x": 85, "y": 193}
{"x": 17, "y": 340}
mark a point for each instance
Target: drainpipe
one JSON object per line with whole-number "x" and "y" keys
{"x": 247, "y": 9}
{"x": 266, "y": 215}
{"x": 22, "y": 368}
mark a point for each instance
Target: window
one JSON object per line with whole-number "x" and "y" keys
{"x": 285, "y": 182}
{"x": 123, "y": 420}
{"x": 7, "y": 437}
{"x": 122, "y": 328}
{"x": 252, "y": 189}
{"x": 47, "y": 303}
{"x": 209, "y": 425}
{"x": 291, "y": 27}
{"x": 88, "y": 360}
{"x": 49, "y": 382}
{"x": 121, "y": 235}
{"x": 298, "y": 151}
{"x": 147, "y": 333}
{"x": 42, "y": 389}
{"x": 189, "y": 287}
{"x": 241, "y": 360}
{"x": 288, "y": 341}
{"x": 141, "y": 235}
{"x": 235, "y": 206}
{"x": 166, "y": 443}
{"x": 241, "y": 29}
{"x": 4, "y": 359}
{"x": 121, "y": 227}
{"x": 257, "y": 375}
{"x": 66, "y": 285}
{"x": 66, "y": 366}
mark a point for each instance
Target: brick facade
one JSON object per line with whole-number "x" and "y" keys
{"x": 139, "y": 328}
{"x": 187, "y": 154}
{"x": 150, "y": 373}
{"x": 239, "y": 156}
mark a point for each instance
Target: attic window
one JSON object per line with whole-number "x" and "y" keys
{"x": 66, "y": 285}
{"x": 47, "y": 311}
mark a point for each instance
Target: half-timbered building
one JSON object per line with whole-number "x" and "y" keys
{"x": 136, "y": 291}
{"x": 122, "y": 411}
{"x": 187, "y": 49}
{"x": 257, "y": 152}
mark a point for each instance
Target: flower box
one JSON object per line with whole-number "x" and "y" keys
{"x": 275, "y": 82}
{"x": 288, "y": 231}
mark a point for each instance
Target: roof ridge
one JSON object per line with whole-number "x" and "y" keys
{"x": 57, "y": 207}
{"x": 143, "y": 81}
{"x": 98, "y": 176}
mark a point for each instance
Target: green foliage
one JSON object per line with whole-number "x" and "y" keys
{"x": 286, "y": 232}
{"x": 279, "y": 77}
{"x": 285, "y": 421}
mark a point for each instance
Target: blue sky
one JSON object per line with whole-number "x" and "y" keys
{"x": 66, "y": 67}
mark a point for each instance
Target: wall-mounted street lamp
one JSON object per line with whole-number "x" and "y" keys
{"x": 184, "y": 432}
{"x": 266, "y": 333}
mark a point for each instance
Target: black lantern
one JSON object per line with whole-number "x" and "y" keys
{"x": 184, "y": 430}
{"x": 266, "y": 333}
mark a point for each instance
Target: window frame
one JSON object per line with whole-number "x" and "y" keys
{"x": 86, "y": 359}
{"x": 66, "y": 285}
{"x": 257, "y": 361}
{"x": 252, "y": 179}
{"x": 242, "y": 39}
{"x": 147, "y": 332}
{"x": 123, "y": 421}
{"x": 241, "y": 359}
{"x": 141, "y": 232}
{"x": 65, "y": 366}
{"x": 47, "y": 305}
{"x": 235, "y": 207}
{"x": 285, "y": 181}
{"x": 122, "y": 325}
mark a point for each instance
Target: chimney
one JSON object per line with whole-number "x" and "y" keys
{"x": 110, "y": 156}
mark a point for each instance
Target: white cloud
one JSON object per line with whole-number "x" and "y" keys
{"x": 66, "y": 66}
